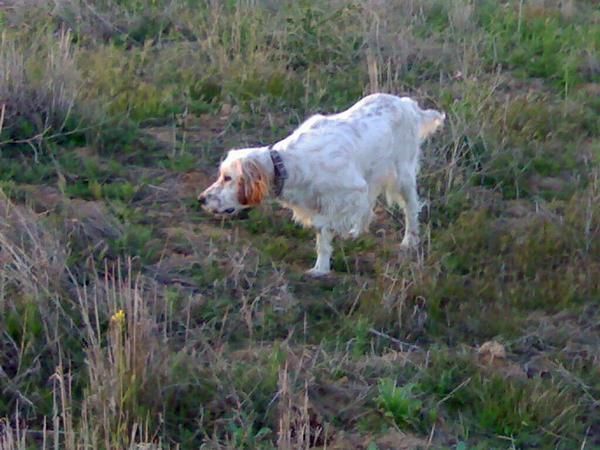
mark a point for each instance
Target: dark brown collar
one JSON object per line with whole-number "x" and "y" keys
{"x": 279, "y": 172}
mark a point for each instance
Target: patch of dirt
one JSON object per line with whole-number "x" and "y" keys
{"x": 400, "y": 358}
{"x": 554, "y": 346}
{"x": 342, "y": 400}
{"x": 175, "y": 188}
{"x": 574, "y": 336}
{"x": 163, "y": 135}
{"x": 172, "y": 268}
{"x": 397, "y": 440}
{"x": 203, "y": 128}
{"x": 90, "y": 225}
{"x": 391, "y": 440}
{"x": 539, "y": 366}
{"x": 42, "y": 198}
{"x": 86, "y": 153}
{"x": 520, "y": 217}
{"x": 592, "y": 89}
{"x": 517, "y": 209}
{"x": 539, "y": 184}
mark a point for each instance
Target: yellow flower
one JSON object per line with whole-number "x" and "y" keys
{"x": 118, "y": 317}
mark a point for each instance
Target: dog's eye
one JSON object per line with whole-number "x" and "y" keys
{"x": 226, "y": 178}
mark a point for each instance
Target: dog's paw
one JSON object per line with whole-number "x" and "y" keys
{"x": 324, "y": 279}
{"x": 409, "y": 242}
{"x": 354, "y": 233}
{"x": 316, "y": 273}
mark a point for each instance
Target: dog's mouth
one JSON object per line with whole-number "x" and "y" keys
{"x": 230, "y": 213}
{"x": 218, "y": 211}
{"x": 227, "y": 212}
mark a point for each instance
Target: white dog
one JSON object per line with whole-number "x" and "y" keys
{"x": 331, "y": 170}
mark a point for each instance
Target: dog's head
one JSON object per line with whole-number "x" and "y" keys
{"x": 242, "y": 183}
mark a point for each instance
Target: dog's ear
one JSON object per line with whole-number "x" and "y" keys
{"x": 252, "y": 184}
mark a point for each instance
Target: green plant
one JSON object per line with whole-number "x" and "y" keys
{"x": 536, "y": 43}
{"x": 400, "y": 403}
{"x": 513, "y": 408}
{"x": 362, "y": 339}
{"x": 137, "y": 240}
{"x": 448, "y": 378}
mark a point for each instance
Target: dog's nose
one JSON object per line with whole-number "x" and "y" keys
{"x": 202, "y": 199}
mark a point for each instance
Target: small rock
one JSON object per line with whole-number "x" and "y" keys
{"x": 490, "y": 351}
{"x": 226, "y": 109}
{"x": 492, "y": 355}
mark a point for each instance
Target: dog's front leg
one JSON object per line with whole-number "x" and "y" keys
{"x": 324, "y": 251}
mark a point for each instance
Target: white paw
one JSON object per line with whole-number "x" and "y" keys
{"x": 316, "y": 272}
{"x": 410, "y": 241}
{"x": 354, "y": 233}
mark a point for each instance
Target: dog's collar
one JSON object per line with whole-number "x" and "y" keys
{"x": 279, "y": 172}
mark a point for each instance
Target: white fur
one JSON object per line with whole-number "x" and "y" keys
{"x": 338, "y": 165}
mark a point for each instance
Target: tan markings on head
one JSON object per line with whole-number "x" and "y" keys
{"x": 253, "y": 184}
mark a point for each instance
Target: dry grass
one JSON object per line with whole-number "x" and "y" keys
{"x": 39, "y": 89}
{"x": 32, "y": 256}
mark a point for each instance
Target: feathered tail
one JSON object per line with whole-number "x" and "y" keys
{"x": 431, "y": 120}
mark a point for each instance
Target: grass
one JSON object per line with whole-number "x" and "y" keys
{"x": 129, "y": 319}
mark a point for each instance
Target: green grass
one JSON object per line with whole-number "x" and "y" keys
{"x": 114, "y": 119}
{"x": 399, "y": 403}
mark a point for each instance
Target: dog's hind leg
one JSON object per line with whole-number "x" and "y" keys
{"x": 359, "y": 211}
{"x": 404, "y": 193}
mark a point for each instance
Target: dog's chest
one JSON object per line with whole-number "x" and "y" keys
{"x": 304, "y": 207}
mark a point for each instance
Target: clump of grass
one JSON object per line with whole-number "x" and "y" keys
{"x": 501, "y": 405}
{"x": 125, "y": 364}
{"x": 537, "y": 42}
{"x": 33, "y": 257}
{"x": 126, "y": 23}
{"x": 517, "y": 409}
{"x": 114, "y": 74}
{"x": 400, "y": 403}
{"x": 40, "y": 88}
{"x": 93, "y": 190}
{"x": 33, "y": 273}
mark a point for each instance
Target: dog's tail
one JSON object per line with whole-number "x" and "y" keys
{"x": 431, "y": 120}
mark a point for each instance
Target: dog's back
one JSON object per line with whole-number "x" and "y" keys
{"x": 402, "y": 112}
{"x": 379, "y": 137}
{"x": 381, "y": 120}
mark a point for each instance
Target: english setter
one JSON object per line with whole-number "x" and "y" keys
{"x": 331, "y": 170}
